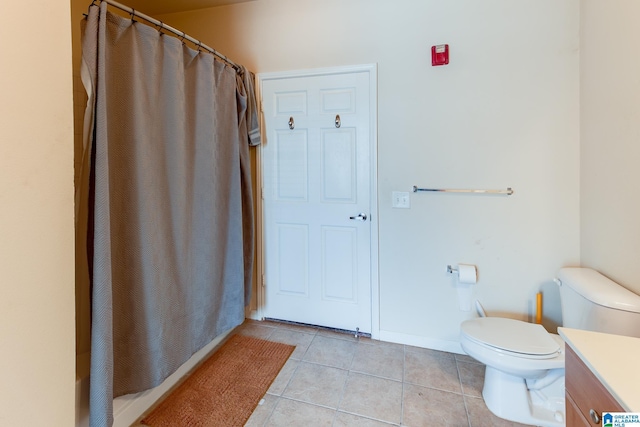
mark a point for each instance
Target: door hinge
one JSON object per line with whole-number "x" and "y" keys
{"x": 263, "y": 282}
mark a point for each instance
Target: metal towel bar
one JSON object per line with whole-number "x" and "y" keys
{"x": 508, "y": 191}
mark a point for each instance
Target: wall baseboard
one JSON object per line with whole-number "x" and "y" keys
{"x": 128, "y": 409}
{"x": 254, "y": 315}
{"x": 418, "y": 341}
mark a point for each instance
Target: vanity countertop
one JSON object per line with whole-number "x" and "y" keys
{"x": 613, "y": 359}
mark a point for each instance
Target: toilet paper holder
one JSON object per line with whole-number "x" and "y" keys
{"x": 467, "y": 273}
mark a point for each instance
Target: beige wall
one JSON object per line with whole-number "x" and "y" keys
{"x": 504, "y": 112}
{"x": 610, "y": 139}
{"x": 36, "y": 216}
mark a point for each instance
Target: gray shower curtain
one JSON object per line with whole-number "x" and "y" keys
{"x": 169, "y": 199}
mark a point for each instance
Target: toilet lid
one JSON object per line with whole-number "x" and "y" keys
{"x": 510, "y": 335}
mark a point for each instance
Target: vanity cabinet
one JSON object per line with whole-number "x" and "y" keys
{"x": 586, "y": 397}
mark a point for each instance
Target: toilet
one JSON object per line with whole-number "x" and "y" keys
{"x": 524, "y": 376}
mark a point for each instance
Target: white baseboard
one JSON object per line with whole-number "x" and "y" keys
{"x": 128, "y": 409}
{"x": 253, "y": 315}
{"x": 82, "y": 402}
{"x": 424, "y": 342}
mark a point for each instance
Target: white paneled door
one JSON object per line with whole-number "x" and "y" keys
{"x": 317, "y": 183}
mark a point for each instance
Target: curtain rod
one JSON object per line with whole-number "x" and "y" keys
{"x": 162, "y": 26}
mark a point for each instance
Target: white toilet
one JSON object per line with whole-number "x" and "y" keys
{"x": 524, "y": 377}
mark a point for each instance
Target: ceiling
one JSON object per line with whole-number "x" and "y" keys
{"x": 157, "y": 7}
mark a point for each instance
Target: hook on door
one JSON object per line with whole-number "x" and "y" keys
{"x": 338, "y": 123}
{"x": 291, "y": 123}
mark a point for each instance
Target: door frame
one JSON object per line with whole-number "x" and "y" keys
{"x": 372, "y": 71}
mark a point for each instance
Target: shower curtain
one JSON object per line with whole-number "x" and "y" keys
{"x": 167, "y": 133}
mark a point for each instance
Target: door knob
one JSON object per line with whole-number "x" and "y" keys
{"x": 359, "y": 217}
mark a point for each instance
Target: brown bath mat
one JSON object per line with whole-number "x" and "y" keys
{"x": 226, "y": 388}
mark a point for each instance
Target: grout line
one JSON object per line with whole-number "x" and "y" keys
{"x": 344, "y": 389}
{"x": 306, "y": 402}
{"x": 404, "y": 367}
{"x": 280, "y": 397}
{"x": 300, "y": 330}
{"x": 241, "y": 328}
{"x": 459, "y": 377}
{"x": 335, "y": 415}
{"x": 464, "y": 401}
{"x": 467, "y": 359}
{"x": 466, "y": 410}
{"x": 353, "y": 354}
{"x": 293, "y": 374}
{"x": 434, "y": 388}
{"x": 270, "y": 333}
{"x": 432, "y": 353}
{"x": 355, "y": 371}
{"x": 342, "y": 392}
{"x": 267, "y": 418}
{"x": 306, "y": 350}
{"x": 369, "y": 418}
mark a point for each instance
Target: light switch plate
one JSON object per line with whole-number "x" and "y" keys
{"x": 400, "y": 199}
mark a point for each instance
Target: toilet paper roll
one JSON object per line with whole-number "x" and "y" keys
{"x": 467, "y": 274}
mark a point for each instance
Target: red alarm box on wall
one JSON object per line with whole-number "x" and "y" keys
{"x": 440, "y": 54}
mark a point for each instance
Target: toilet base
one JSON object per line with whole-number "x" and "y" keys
{"x": 507, "y": 397}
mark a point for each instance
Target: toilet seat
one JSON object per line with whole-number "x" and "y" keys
{"x": 511, "y": 337}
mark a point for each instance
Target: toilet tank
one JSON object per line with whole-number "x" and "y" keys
{"x": 593, "y": 302}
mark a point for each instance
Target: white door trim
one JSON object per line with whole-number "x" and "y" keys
{"x": 371, "y": 69}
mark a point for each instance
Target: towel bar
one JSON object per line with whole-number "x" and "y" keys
{"x": 508, "y": 191}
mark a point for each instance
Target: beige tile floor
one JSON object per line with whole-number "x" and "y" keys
{"x": 334, "y": 379}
